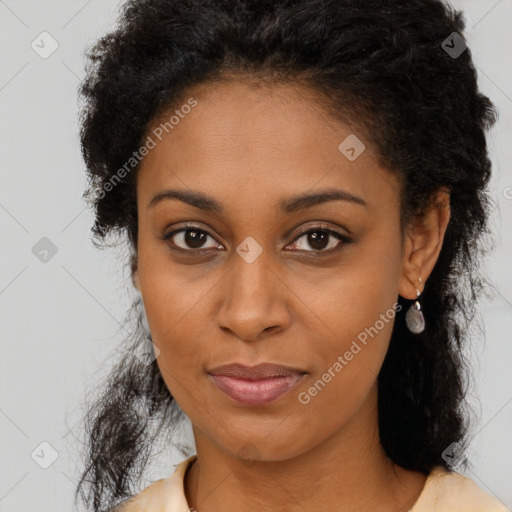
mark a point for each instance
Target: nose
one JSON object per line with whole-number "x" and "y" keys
{"x": 254, "y": 300}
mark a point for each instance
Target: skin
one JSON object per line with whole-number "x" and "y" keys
{"x": 250, "y": 146}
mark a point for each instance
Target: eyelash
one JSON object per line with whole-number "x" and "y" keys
{"x": 343, "y": 238}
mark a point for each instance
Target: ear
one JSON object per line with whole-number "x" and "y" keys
{"x": 422, "y": 244}
{"x": 134, "y": 270}
{"x": 135, "y": 280}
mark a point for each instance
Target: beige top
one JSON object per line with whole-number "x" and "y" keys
{"x": 443, "y": 492}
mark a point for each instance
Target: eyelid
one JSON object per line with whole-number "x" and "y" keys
{"x": 320, "y": 226}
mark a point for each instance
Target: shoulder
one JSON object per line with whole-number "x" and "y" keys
{"x": 447, "y": 491}
{"x": 165, "y": 495}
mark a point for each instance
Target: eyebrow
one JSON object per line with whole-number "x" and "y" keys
{"x": 287, "y": 206}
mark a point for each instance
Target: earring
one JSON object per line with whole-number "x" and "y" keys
{"x": 414, "y": 318}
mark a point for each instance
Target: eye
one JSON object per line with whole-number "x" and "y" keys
{"x": 191, "y": 238}
{"x": 320, "y": 239}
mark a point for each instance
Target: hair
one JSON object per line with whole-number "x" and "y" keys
{"x": 376, "y": 65}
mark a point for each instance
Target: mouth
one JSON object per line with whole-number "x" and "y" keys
{"x": 255, "y": 385}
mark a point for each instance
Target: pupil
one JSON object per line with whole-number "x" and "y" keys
{"x": 318, "y": 239}
{"x": 194, "y": 238}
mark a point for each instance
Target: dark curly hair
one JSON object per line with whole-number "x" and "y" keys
{"x": 378, "y": 65}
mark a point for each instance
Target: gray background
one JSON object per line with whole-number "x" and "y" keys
{"x": 60, "y": 319}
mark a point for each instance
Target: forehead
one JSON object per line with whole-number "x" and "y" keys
{"x": 245, "y": 136}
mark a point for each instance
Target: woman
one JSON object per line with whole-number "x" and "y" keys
{"x": 302, "y": 185}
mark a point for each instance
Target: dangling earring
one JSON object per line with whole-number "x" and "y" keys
{"x": 414, "y": 318}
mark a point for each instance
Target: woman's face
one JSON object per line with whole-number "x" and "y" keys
{"x": 247, "y": 284}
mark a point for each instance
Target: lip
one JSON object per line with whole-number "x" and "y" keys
{"x": 255, "y": 385}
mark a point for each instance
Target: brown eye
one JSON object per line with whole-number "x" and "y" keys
{"x": 320, "y": 240}
{"x": 191, "y": 238}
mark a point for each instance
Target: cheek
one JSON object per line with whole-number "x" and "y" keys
{"x": 350, "y": 321}
{"x": 170, "y": 296}
{"x": 172, "y": 305}
{"x": 357, "y": 302}
{"x": 176, "y": 327}
{"x": 178, "y": 336}
{"x": 348, "y": 359}
{"x": 346, "y": 362}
